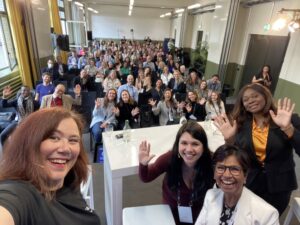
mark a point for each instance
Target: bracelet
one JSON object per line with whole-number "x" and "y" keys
{"x": 287, "y": 128}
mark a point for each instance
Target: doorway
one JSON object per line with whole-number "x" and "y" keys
{"x": 265, "y": 50}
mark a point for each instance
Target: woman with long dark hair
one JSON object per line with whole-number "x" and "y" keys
{"x": 264, "y": 77}
{"x": 188, "y": 168}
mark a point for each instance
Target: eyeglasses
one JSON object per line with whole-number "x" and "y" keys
{"x": 234, "y": 170}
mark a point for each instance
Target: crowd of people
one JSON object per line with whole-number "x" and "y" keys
{"x": 140, "y": 83}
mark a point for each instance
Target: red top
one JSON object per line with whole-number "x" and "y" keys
{"x": 56, "y": 102}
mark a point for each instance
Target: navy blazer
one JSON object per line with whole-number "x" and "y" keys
{"x": 279, "y": 166}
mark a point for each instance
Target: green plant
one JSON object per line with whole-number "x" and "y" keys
{"x": 199, "y": 57}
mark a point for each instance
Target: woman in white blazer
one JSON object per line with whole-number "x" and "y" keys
{"x": 232, "y": 203}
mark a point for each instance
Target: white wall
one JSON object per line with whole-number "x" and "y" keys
{"x": 114, "y": 22}
{"x": 41, "y": 20}
{"x": 201, "y": 22}
{"x": 117, "y": 27}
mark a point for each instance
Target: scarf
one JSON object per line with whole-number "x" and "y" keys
{"x": 24, "y": 106}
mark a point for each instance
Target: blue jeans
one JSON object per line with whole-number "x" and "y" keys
{"x": 97, "y": 132}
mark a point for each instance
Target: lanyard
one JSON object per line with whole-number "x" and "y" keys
{"x": 179, "y": 198}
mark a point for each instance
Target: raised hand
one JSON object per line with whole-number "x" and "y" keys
{"x": 284, "y": 113}
{"x": 144, "y": 153}
{"x": 6, "y": 91}
{"x": 116, "y": 111}
{"x": 97, "y": 103}
{"x": 227, "y": 129}
{"x": 152, "y": 102}
{"x": 135, "y": 111}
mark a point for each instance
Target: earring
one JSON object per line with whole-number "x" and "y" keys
{"x": 178, "y": 155}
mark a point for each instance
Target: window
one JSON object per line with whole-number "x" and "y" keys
{"x": 7, "y": 51}
{"x": 61, "y": 8}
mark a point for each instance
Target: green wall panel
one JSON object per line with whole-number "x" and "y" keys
{"x": 286, "y": 88}
{"x": 211, "y": 69}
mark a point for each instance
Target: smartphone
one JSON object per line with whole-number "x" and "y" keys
{"x": 119, "y": 136}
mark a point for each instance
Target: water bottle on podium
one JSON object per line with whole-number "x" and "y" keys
{"x": 207, "y": 122}
{"x": 126, "y": 131}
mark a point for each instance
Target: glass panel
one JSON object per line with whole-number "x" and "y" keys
{"x": 3, "y": 52}
{"x": 77, "y": 33}
{"x": 9, "y": 43}
{"x": 62, "y": 14}
{"x": 60, "y": 3}
{"x": 2, "y": 5}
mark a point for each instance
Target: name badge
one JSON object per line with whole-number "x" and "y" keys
{"x": 185, "y": 214}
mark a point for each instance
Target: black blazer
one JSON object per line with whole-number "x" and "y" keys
{"x": 279, "y": 167}
{"x": 181, "y": 88}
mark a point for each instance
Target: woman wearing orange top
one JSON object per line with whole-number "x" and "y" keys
{"x": 269, "y": 134}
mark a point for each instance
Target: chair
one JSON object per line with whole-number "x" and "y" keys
{"x": 294, "y": 209}
{"x": 86, "y": 189}
{"x": 148, "y": 215}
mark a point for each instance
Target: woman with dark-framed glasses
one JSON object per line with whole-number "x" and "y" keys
{"x": 232, "y": 203}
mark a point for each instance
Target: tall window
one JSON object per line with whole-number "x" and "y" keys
{"x": 61, "y": 8}
{"x": 7, "y": 51}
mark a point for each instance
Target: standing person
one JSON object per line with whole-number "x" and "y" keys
{"x": 40, "y": 177}
{"x": 60, "y": 99}
{"x": 269, "y": 135}
{"x": 46, "y": 88}
{"x": 214, "y": 106}
{"x": 103, "y": 114}
{"x": 264, "y": 77}
{"x": 232, "y": 203}
{"x": 188, "y": 168}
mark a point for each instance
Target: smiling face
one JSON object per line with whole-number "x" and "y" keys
{"x": 214, "y": 96}
{"x": 111, "y": 95}
{"x": 192, "y": 97}
{"x": 60, "y": 150}
{"x": 167, "y": 95}
{"x": 253, "y": 101}
{"x": 229, "y": 183}
{"x": 190, "y": 149}
{"x": 125, "y": 96}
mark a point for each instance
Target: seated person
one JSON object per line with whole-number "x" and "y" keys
{"x": 111, "y": 81}
{"x": 214, "y": 84}
{"x": 193, "y": 110}
{"x": 165, "y": 109}
{"x": 45, "y": 88}
{"x": 44, "y": 164}
{"x": 188, "y": 171}
{"x": 84, "y": 80}
{"x": 214, "y": 106}
{"x": 127, "y": 110}
{"x": 231, "y": 202}
{"x": 177, "y": 85}
{"x": 59, "y": 98}
{"x": 103, "y": 114}
{"x": 24, "y": 104}
{"x": 130, "y": 88}
{"x": 60, "y": 70}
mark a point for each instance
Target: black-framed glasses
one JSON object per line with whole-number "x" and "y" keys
{"x": 234, "y": 170}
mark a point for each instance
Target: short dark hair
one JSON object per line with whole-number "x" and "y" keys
{"x": 226, "y": 150}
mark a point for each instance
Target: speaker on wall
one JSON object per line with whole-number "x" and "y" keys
{"x": 89, "y": 35}
{"x": 62, "y": 42}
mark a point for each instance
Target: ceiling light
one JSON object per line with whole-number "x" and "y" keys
{"x": 95, "y": 11}
{"x": 194, "y": 6}
{"x": 168, "y": 14}
{"x": 218, "y": 6}
{"x": 179, "y": 10}
{"x": 131, "y": 2}
{"x": 162, "y": 16}
{"x": 130, "y": 7}
{"x": 79, "y": 4}
{"x": 129, "y": 13}
{"x": 90, "y": 9}
{"x": 279, "y": 24}
{"x": 69, "y": 0}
